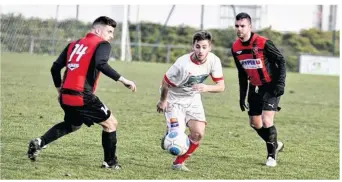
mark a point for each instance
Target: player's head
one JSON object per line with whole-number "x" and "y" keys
{"x": 104, "y": 27}
{"x": 201, "y": 44}
{"x": 243, "y": 25}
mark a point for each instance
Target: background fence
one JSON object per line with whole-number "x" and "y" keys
{"x": 154, "y": 41}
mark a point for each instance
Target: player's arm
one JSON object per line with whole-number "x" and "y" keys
{"x": 171, "y": 78}
{"x": 273, "y": 54}
{"x": 57, "y": 66}
{"x": 164, "y": 90}
{"x": 218, "y": 87}
{"x": 102, "y": 54}
{"x": 217, "y": 76}
{"x": 243, "y": 82}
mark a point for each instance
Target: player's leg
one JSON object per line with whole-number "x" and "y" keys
{"x": 273, "y": 146}
{"x": 196, "y": 124}
{"x": 255, "y": 103}
{"x": 109, "y": 141}
{"x": 175, "y": 122}
{"x": 97, "y": 112}
{"x": 57, "y": 131}
{"x": 174, "y": 119}
{"x": 197, "y": 130}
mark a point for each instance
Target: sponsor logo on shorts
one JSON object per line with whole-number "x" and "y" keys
{"x": 104, "y": 108}
{"x": 272, "y": 105}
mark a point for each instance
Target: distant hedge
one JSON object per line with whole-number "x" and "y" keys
{"x": 17, "y": 33}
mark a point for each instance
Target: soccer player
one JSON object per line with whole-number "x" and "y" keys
{"x": 181, "y": 89}
{"x": 260, "y": 62}
{"x": 84, "y": 59}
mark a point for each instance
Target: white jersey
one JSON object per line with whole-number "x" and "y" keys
{"x": 185, "y": 73}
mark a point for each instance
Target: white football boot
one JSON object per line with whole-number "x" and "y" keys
{"x": 271, "y": 162}
{"x": 179, "y": 167}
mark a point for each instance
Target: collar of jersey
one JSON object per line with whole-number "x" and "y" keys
{"x": 197, "y": 62}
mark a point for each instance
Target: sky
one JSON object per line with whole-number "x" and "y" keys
{"x": 279, "y": 16}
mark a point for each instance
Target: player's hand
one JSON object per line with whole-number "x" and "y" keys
{"x": 130, "y": 85}
{"x": 279, "y": 90}
{"x": 161, "y": 106}
{"x": 200, "y": 87}
{"x": 243, "y": 105}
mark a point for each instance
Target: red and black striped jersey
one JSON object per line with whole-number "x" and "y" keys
{"x": 259, "y": 61}
{"x": 83, "y": 59}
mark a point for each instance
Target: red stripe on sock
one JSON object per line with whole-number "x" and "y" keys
{"x": 182, "y": 158}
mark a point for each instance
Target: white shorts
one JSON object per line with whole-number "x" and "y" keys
{"x": 178, "y": 115}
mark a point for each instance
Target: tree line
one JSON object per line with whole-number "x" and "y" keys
{"x": 48, "y": 36}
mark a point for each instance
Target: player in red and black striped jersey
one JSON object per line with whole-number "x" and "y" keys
{"x": 260, "y": 62}
{"x": 84, "y": 59}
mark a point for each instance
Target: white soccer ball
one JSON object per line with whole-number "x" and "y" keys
{"x": 176, "y": 143}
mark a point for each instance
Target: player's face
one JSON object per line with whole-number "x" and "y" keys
{"x": 106, "y": 32}
{"x": 201, "y": 49}
{"x": 243, "y": 28}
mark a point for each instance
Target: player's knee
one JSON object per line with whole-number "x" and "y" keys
{"x": 110, "y": 124}
{"x": 256, "y": 127}
{"x": 268, "y": 124}
{"x": 196, "y": 136}
{"x": 255, "y": 121}
{"x": 255, "y": 124}
{"x": 70, "y": 128}
{"x": 267, "y": 118}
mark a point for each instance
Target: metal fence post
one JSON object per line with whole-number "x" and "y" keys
{"x": 31, "y": 45}
{"x": 168, "y": 53}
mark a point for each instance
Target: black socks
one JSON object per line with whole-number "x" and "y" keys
{"x": 109, "y": 146}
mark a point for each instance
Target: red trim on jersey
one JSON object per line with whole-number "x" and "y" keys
{"x": 72, "y": 100}
{"x": 264, "y": 71}
{"x": 96, "y": 82}
{"x": 168, "y": 81}
{"x": 216, "y": 79}
{"x": 195, "y": 61}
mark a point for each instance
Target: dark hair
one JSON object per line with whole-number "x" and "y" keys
{"x": 241, "y": 16}
{"x": 104, "y": 20}
{"x": 202, "y": 35}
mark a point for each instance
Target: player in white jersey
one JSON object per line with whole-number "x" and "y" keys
{"x": 182, "y": 84}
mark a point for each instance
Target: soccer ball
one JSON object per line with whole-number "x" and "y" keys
{"x": 176, "y": 143}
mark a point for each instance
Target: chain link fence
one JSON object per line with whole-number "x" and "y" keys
{"x": 50, "y": 36}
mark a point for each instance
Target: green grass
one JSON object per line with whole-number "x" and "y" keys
{"x": 308, "y": 124}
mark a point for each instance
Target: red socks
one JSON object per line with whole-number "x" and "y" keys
{"x": 182, "y": 158}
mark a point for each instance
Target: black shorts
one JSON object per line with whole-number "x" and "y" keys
{"x": 93, "y": 112}
{"x": 261, "y": 99}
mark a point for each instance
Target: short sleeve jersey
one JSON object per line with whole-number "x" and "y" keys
{"x": 186, "y": 72}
